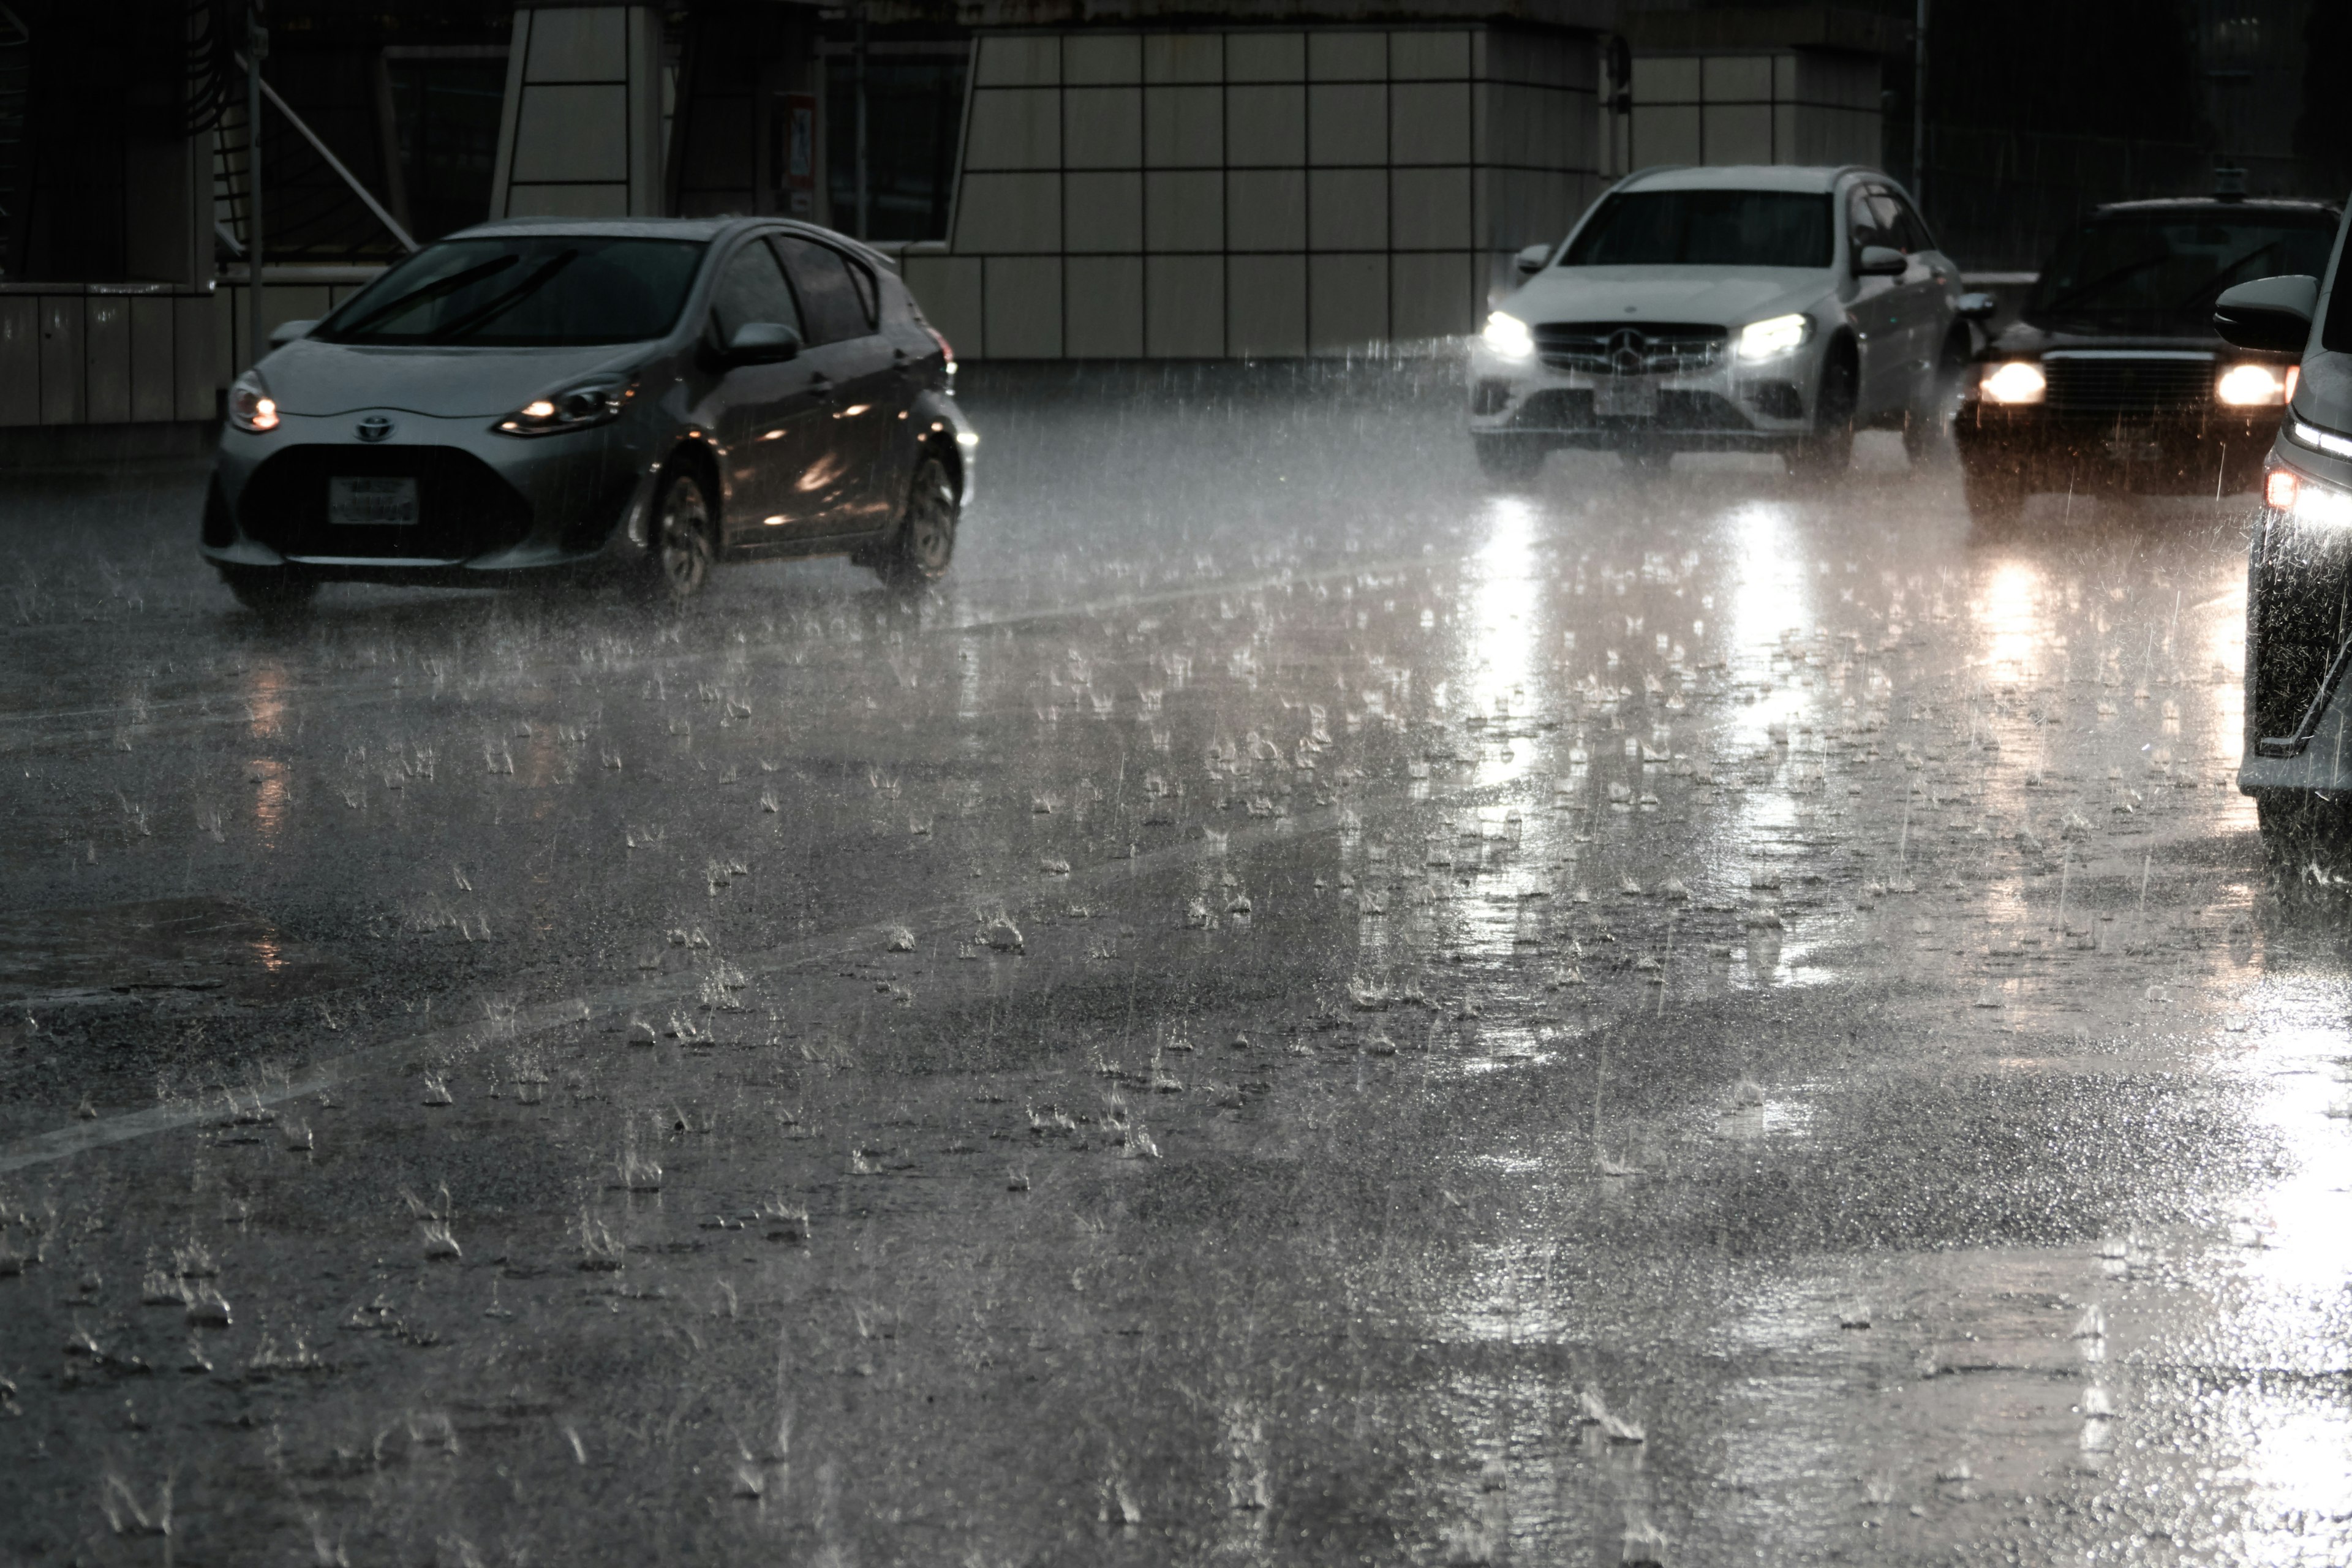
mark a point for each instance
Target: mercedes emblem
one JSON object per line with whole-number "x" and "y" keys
{"x": 375, "y": 428}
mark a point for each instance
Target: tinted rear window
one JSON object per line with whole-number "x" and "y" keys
{"x": 1706, "y": 228}
{"x": 527, "y": 291}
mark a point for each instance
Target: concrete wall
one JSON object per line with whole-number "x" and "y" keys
{"x": 1788, "y": 106}
{"x": 1252, "y": 194}
{"x": 105, "y": 354}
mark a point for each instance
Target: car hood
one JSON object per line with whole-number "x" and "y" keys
{"x": 1715, "y": 296}
{"x": 316, "y": 378}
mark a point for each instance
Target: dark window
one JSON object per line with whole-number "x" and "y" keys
{"x": 1914, "y": 225}
{"x": 1862, "y": 224}
{"x": 914, "y": 114}
{"x": 1706, "y": 228}
{"x": 753, "y": 289}
{"x": 524, "y": 291}
{"x": 2151, "y": 271}
{"x": 1903, "y": 230}
{"x": 832, "y": 301}
{"x": 444, "y": 117}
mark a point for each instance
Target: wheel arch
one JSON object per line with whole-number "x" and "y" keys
{"x": 694, "y": 454}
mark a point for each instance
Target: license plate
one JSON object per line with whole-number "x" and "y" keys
{"x": 1626, "y": 397}
{"x": 372, "y": 501}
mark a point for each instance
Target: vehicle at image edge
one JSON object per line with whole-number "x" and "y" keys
{"x": 2113, "y": 378}
{"x": 536, "y": 397}
{"x": 1757, "y": 309}
{"x": 2297, "y": 763}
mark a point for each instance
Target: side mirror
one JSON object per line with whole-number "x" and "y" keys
{"x": 2272, "y": 313}
{"x": 1531, "y": 260}
{"x": 1881, "y": 261}
{"x": 763, "y": 342}
{"x": 1976, "y": 308}
{"x": 284, "y": 332}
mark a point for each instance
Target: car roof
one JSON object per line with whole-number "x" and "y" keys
{"x": 695, "y": 228}
{"x": 2277, "y": 206}
{"x": 1806, "y": 177}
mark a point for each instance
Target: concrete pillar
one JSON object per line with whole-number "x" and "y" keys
{"x": 580, "y": 135}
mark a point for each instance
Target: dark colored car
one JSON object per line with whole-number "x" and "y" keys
{"x": 2114, "y": 377}
{"x": 647, "y": 397}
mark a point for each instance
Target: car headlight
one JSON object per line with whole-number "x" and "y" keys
{"x": 596, "y": 400}
{"x": 1777, "y": 335}
{"x": 2307, "y": 501}
{"x": 250, "y": 407}
{"x": 2250, "y": 386}
{"x": 2018, "y": 381}
{"x": 1508, "y": 337}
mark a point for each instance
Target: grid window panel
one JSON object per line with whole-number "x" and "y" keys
{"x": 1012, "y": 60}
{"x": 950, "y": 291}
{"x": 1737, "y": 132}
{"x": 1348, "y": 209}
{"x": 1347, "y": 57}
{"x": 1184, "y": 57}
{"x": 1265, "y": 209}
{"x": 1429, "y": 56}
{"x": 1184, "y": 315}
{"x": 1429, "y": 122}
{"x": 1665, "y": 135}
{"x": 1430, "y": 209}
{"x": 1432, "y": 296}
{"x": 1024, "y": 307}
{"x": 1183, "y": 127}
{"x": 1103, "y": 312}
{"x": 1736, "y": 78}
{"x": 1664, "y": 79}
{"x": 1266, "y": 127}
{"x": 1265, "y": 57}
{"x": 1014, "y": 128}
{"x": 1102, "y": 58}
{"x": 997, "y": 214}
{"x": 583, "y": 45}
{"x": 1347, "y": 302}
{"x": 1347, "y": 124}
{"x": 1103, "y": 212}
{"x": 1185, "y": 210}
{"x": 1266, "y": 306}
{"x": 1103, "y": 127}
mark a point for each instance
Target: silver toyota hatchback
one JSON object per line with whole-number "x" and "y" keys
{"x": 539, "y": 397}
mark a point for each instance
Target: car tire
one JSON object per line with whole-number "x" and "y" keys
{"x": 1923, "y": 429}
{"x": 1827, "y": 452}
{"x": 920, "y": 551}
{"x": 1508, "y": 460}
{"x": 273, "y": 592}
{"x": 1995, "y": 491}
{"x": 680, "y": 540}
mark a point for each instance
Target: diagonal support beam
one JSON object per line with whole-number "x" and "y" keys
{"x": 336, "y": 164}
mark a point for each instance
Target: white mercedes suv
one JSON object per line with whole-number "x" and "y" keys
{"x": 1725, "y": 308}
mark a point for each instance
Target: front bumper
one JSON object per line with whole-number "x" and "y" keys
{"x": 1728, "y": 405}
{"x": 491, "y": 507}
{"x": 2165, "y": 451}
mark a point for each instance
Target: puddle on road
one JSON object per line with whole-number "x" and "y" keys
{"x": 194, "y": 947}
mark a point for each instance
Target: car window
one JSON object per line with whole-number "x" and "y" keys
{"x": 2160, "y": 270}
{"x": 1914, "y": 227}
{"x": 1862, "y": 227}
{"x": 830, "y": 298}
{"x": 753, "y": 289}
{"x": 526, "y": 290}
{"x": 1896, "y": 222}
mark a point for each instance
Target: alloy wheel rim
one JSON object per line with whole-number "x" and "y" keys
{"x": 684, "y": 545}
{"x": 929, "y": 536}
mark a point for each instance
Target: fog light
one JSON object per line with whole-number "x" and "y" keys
{"x": 2018, "y": 381}
{"x": 2250, "y": 386}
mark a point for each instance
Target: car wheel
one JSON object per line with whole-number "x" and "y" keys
{"x": 271, "y": 592}
{"x": 1923, "y": 429}
{"x": 1827, "y": 452}
{"x": 927, "y": 529}
{"x": 679, "y": 552}
{"x": 1508, "y": 460}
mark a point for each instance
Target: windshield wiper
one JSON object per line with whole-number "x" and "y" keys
{"x": 2221, "y": 280}
{"x": 2084, "y": 291}
{"x": 508, "y": 300}
{"x": 441, "y": 289}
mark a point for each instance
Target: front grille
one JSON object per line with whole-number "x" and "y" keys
{"x": 1652, "y": 348}
{"x": 2127, "y": 385}
{"x": 464, "y": 509}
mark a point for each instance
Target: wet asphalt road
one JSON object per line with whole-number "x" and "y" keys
{"x": 1301, "y": 1010}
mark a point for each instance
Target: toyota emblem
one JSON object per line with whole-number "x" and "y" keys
{"x": 375, "y": 428}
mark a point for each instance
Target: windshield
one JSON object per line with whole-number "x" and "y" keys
{"x": 1706, "y": 228}
{"x": 2161, "y": 272}
{"x": 539, "y": 290}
